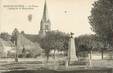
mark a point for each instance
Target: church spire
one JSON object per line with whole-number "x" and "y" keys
{"x": 45, "y": 24}
{"x": 45, "y": 12}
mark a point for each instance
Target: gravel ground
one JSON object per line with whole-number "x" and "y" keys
{"x": 36, "y": 64}
{"x": 64, "y": 71}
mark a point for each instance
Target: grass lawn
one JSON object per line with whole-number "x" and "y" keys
{"x": 64, "y": 71}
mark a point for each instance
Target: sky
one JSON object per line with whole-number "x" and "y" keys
{"x": 65, "y": 15}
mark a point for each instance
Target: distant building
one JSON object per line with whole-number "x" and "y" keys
{"x": 45, "y": 24}
{"x": 8, "y": 49}
{"x": 28, "y": 45}
{"x": 5, "y": 47}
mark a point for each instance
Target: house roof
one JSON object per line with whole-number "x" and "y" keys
{"x": 25, "y": 42}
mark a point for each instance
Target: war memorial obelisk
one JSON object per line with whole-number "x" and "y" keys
{"x": 71, "y": 50}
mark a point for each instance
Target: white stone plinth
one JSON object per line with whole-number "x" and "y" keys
{"x": 72, "y": 51}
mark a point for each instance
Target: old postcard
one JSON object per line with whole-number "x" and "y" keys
{"x": 56, "y": 36}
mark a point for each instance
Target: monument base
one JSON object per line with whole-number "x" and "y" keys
{"x": 73, "y": 60}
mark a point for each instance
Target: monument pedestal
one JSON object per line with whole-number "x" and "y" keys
{"x": 72, "y": 58}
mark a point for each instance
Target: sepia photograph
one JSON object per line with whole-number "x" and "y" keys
{"x": 56, "y": 36}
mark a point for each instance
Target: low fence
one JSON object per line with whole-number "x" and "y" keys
{"x": 102, "y": 63}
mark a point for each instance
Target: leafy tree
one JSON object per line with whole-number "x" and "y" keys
{"x": 5, "y": 36}
{"x": 85, "y": 43}
{"x": 54, "y": 40}
{"x": 101, "y": 19}
{"x": 14, "y": 37}
{"x": 92, "y": 42}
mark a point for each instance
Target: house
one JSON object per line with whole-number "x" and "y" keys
{"x": 27, "y": 45}
{"x": 5, "y": 47}
{"x": 8, "y": 49}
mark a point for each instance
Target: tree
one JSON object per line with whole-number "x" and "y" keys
{"x": 23, "y": 52}
{"x": 101, "y": 19}
{"x": 86, "y": 43}
{"x": 14, "y": 39}
{"x": 92, "y": 42}
{"x": 5, "y": 36}
{"x": 54, "y": 40}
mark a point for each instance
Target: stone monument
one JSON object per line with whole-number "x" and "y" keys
{"x": 72, "y": 50}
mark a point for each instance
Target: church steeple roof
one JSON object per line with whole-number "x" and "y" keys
{"x": 45, "y": 12}
{"x": 45, "y": 24}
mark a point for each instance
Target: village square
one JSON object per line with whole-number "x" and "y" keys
{"x": 57, "y": 51}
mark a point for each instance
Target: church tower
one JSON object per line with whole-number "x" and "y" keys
{"x": 45, "y": 24}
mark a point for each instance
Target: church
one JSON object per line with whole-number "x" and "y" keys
{"x": 45, "y": 24}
